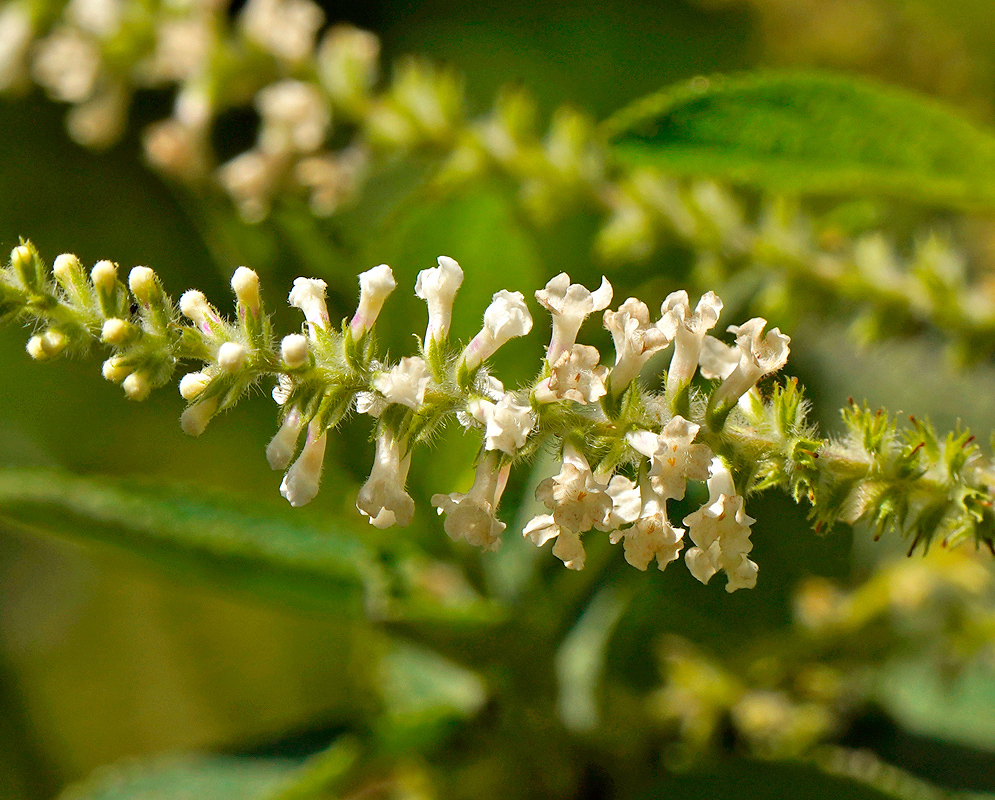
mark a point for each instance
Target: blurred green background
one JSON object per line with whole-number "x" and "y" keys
{"x": 102, "y": 658}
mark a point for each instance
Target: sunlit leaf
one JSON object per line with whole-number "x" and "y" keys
{"x": 220, "y": 778}
{"x": 252, "y": 547}
{"x": 960, "y": 710}
{"x": 187, "y": 779}
{"x": 811, "y": 133}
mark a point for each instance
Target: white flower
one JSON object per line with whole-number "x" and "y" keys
{"x": 281, "y": 447}
{"x": 673, "y": 458}
{"x": 286, "y": 28}
{"x": 505, "y": 318}
{"x": 295, "y": 117}
{"x": 300, "y": 484}
{"x": 15, "y": 39}
{"x": 249, "y": 179}
{"x": 175, "y": 148}
{"x": 308, "y": 295}
{"x": 404, "y": 383}
{"x": 508, "y": 422}
{"x": 758, "y": 356}
{"x": 569, "y": 549}
{"x": 67, "y": 64}
{"x": 437, "y": 287}
{"x": 577, "y": 499}
{"x": 689, "y": 333}
{"x": 541, "y": 529}
{"x": 717, "y": 359}
{"x": 348, "y": 64}
{"x": 570, "y": 304}
{"x": 383, "y": 498}
{"x": 471, "y": 516}
{"x": 370, "y": 403}
{"x": 720, "y": 530}
{"x": 180, "y": 49}
{"x": 636, "y": 339}
{"x": 627, "y": 502}
{"x": 575, "y": 376}
{"x": 99, "y": 17}
{"x": 283, "y": 389}
{"x": 374, "y": 287}
{"x": 652, "y": 535}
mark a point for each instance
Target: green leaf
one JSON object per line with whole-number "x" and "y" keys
{"x": 425, "y": 695}
{"x": 187, "y": 778}
{"x": 191, "y": 777}
{"x": 811, "y": 133}
{"x": 839, "y": 775}
{"x": 960, "y": 710}
{"x": 253, "y": 547}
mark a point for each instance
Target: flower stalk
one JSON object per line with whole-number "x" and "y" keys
{"x": 619, "y": 470}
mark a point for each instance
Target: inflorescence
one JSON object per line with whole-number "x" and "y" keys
{"x": 329, "y": 119}
{"x": 625, "y": 450}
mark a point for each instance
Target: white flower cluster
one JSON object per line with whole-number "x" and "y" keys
{"x": 659, "y": 448}
{"x": 626, "y": 451}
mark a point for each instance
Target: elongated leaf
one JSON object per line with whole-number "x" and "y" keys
{"x": 961, "y": 710}
{"x": 191, "y": 777}
{"x": 255, "y": 547}
{"x": 187, "y": 778}
{"x": 840, "y": 775}
{"x": 811, "y": 133}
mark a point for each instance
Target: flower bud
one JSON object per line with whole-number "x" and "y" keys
{"x": 142, "y": 282}
{"x": 193, "y": 384}
{"x": 114, "y": 369}
{"x": 116, "y": 332}
{"x": 137, "y": 385}
{"x": 232, "y": 356}
{"x": 35, "y": 348}
{"x": 65, "y": 268}
{"x": 23, "y": 262}
{"x": 281, "y": 447}
{"x": 293, "y": 350}
{"x": 245, "y": 284}
{"x": 104, "y": 275}
{"x": 194, "y": 306}
{"x": 194, "y": 419}
{"x": 374, "y": 287}
{"x": 301, "y": 483}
